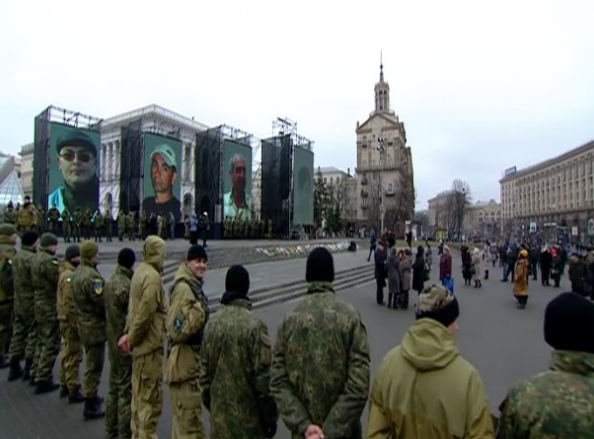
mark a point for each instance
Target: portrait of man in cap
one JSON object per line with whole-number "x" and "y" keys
{"x": 164, "y": 174}
{"x": 77, "y": 162}
{"x": 237, "y": 202}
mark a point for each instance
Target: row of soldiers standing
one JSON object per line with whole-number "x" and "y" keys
{"x": 237, "y": 228}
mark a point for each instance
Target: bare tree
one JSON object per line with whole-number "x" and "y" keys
{"x": 459, "y": 204}
{"x": 371, "y": 197}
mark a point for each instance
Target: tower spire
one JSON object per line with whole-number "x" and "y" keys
{"x": 381, "y": 67}
{"x": 382, "y": 90}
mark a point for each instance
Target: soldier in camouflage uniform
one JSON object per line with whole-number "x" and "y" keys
{"x": 53, "y": 216}
{"x": 107, "y": 225}
{"x": 77, "y": 224}
{"x": 41, "y": 219}
{"x": 121, "y": 225}
{"x": 87, "y": 292}
{"x": 71, "y": 350}
{"x": 98, "y": 225}
{"x": 145, "y": 338}
{"x": 558, "y": 403}
{"x": 130, "y": 226}
{"x": 320, "y": 367}
{"x": 27, "y": 217}
{"x": 186, "y": 318}
{"x": 25, "y": 334}
{"x": 117, "y": 292}
{"x": 8, "y": 240}
{"x": 87, "y": 223}
{"x": 66, "y": 225}
{"x": 45, "y": 271}
{"x": 235, "y": 364}
{"x": 10, "y": 214}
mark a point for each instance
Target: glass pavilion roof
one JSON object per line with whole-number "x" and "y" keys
{"x": 10, "y": 186}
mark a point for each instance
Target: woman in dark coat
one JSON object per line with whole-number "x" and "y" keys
{"x": 418, "y": 267}
{"x": 393, "y": 266}
{"x": 466, "y": 265}
{"x": 380, "y": 256}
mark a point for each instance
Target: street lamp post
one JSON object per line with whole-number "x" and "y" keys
{"x": 380, "y": 148}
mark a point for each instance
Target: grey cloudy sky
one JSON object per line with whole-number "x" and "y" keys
{"x": 480, "y": 85}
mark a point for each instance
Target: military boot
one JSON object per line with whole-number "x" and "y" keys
{"x": 92, "y": 409}
{"x": 390, "y": 298}
{"x": 27, "y": 371}
{"x": 63, "y": 391}
{"x": 15, "y": 371}
{"x": 76, "y": 397}
{"x": 45, "y": 386}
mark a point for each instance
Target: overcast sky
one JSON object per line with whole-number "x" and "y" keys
{"x": 481, "y": 85}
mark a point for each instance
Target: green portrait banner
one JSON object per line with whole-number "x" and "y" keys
{"x": 161, "y": 184}
{"x": 237, "y": 181}
{"x": 74, "y": 167}
{"x": 303, "y": 196}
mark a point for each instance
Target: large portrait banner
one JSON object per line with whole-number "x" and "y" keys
{"x": 73, "y": 171}
{"x": 303, "y": 187}
{"x": 237, "y": 181}
{"x": 162, "y": 185}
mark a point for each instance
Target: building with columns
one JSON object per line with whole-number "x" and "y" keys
{"x": 384, "y": 165}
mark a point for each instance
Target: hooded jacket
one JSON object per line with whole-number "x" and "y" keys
{"x": 425, "y": 389}
{"x": 148, "y": 307}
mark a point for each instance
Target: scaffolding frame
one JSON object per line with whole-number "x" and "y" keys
{"x": 42, "y": 144}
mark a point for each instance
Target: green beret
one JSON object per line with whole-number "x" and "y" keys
{"x": 48, "y": 239}
{"x": 7, "y": 229}
{"x": 76, "y": 138}
{"x": 88, "y": 250}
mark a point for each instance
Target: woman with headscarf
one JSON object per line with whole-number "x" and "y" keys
{"x": 521, "y": 279}
{"x": 418, "y": 269}
{"x": 476, "y": 267}
{"x": 466, "y": 265}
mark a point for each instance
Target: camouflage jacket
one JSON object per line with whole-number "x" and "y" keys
{"x": 557, "y": 404}
{"x": 24, "y": 295}
{"x": 7, "y": 252}
{"x": 320, "y": 366}
{"x": 45, "y": 271}
{"x": 65, "y": 305}
{"x": 145, "y": 325}
{"x": 235, "y": 358}
{"x": 87, "y": 295}
{"x": 117, "y": 293}
{"x": 188, "y": 311}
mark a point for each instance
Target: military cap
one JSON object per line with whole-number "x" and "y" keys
{"x": 196, "y": 252}
{"x": 88, "y": 250}
{"x": 76, "y": 138}
{"x": 319, "y": 266}
{"x": 7, "y": 229}
{"x": 72, "y": 252}
{"x": 48, "y": 239}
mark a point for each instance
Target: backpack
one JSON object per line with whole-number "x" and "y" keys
{"x": 6, "y": 275}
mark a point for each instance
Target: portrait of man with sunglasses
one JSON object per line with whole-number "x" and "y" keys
{"x": 77, "y": 162}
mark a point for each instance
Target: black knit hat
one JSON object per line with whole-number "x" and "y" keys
{"x": 437, "y": 303}
{"x": 320, "y": 266}
{"x": 48, "y": 239}
{"x": 72, "y": 252}
{"x": 126, "y": 257}
{"x": 196, "y": 252}
{"x": 29, "y": 238}
{"x": 237, "y": 280}
{"x": 569, "y": 323}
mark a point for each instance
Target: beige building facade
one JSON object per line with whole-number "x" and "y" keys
{"x": 483, "y": 219}
{"x": 384, "y": 165}
{"x": 555, "y": 194}
{"x": 343, "y": 187}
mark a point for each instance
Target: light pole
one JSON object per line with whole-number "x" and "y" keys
{"x": 380, "y": 148}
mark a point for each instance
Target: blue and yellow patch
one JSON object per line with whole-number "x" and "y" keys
{"x": 98, "y": 286}
{"x": 69, "y": 278}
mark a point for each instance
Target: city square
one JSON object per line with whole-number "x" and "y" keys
{"x": 505, "y": 344}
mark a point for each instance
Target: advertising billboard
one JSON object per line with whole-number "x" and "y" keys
{"x": 237, "y": 181}
{"x": 303, "y": 187}
{"x": 74, "y": 165}
{"x": 162, "y": 185}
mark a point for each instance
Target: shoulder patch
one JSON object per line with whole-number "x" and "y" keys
{"x": 178, "y": 323}
{"x": 98, "y": 286}
{"x": 55, "y": 262}
{"x": 69, "y": 278}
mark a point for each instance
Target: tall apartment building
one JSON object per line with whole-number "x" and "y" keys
{"x": 344, "y": 187}
{"x": 558, "y": 192}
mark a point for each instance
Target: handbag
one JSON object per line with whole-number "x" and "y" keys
{"x": 448, "y": 283}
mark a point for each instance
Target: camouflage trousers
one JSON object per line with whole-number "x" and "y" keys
{"x": 25, "y": 337}
{"x": 6, "y": 313}
{"x": 95, "y": 358}
{"x": 119, "y": 399}
{"x": 70, "y": 356}
{"x": 49, "y": 339}
{"x": 186, "y": 402}
{"x": 147, "y": 394}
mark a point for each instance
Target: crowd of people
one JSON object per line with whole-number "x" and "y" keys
{"x": 316, "y": 376}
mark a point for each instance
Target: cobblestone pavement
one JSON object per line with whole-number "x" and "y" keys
{"x": 504, "y": 343}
